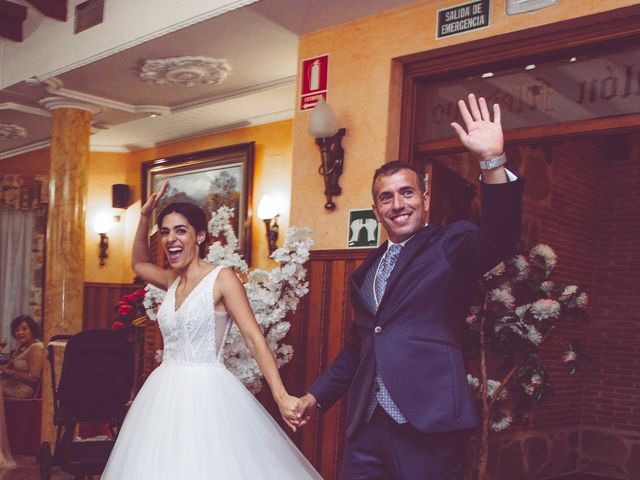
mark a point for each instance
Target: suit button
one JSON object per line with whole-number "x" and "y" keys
{"x": 378, "y": 329}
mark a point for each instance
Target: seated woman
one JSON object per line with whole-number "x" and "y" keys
{"x": 20, "y": 377}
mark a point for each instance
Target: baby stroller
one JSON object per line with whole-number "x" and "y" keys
{"x": 94, "y": 386}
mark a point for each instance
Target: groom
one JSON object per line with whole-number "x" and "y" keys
{"x": 409, "y": 404}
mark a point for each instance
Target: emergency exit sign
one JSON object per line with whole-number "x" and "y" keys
{"x": 463, "y": 18}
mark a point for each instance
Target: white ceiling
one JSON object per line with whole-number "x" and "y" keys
{"x": 258, "y": 41}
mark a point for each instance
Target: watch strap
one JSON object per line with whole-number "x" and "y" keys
{"x": 493, "y": 162}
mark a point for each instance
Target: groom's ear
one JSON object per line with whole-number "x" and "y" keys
{"x": 375, "y": 212}
{"x": 427, "y": 201}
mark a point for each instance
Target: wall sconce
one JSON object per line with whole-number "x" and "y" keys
{"x": 268, "y": 212}
{"x": 324, "y": 127}
{"x": 102, "y": 225}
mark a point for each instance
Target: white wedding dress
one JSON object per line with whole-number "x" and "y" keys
{"x": 193, "y": 419}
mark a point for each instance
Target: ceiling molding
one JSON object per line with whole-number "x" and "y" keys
{"x": 25, "y": 149}
{"x": 12, "y": 131}
{"x": 54, "y": 86}
{"x": 25, "y": 109}
{"x": 186, "y": 71}
{"x": 52, "y": 103}
{"x": 145, "y": 38}
{"x": 241, "y": 92}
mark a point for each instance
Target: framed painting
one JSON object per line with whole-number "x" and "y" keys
{"x": 209, "y": 179}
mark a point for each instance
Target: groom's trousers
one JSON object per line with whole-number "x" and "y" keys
{"x": 382, "y": 449}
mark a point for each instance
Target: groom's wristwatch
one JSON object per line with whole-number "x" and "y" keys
{"x": 493, "y": 162}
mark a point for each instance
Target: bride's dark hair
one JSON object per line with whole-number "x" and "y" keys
{"x": 194, "y": 215}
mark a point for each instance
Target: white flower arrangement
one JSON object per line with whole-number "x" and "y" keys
{"x": 271, "y": 294}
{"x": 520, "y": 309}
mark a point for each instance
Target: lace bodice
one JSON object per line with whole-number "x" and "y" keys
{"x": 194, "y": 333}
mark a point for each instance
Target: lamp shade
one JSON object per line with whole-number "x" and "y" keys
{"x": 323, "y": 122}
{"x": 267, "y": 208}
{"x": 103, "y": 223}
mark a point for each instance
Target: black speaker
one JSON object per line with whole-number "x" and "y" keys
{"x": 119, "y": 195}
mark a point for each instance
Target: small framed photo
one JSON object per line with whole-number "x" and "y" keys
{"x": 209, "y": 179}
{"x": 364, "y": 230}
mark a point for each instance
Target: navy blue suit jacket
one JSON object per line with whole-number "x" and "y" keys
{"x": 417, "y": 347}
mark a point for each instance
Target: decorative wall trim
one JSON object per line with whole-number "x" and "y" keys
{"x": 340, "y": 254}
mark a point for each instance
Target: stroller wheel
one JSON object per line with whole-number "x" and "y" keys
{"x": 44, "y": 461}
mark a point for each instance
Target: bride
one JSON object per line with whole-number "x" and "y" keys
{"x": 193, "y": 418}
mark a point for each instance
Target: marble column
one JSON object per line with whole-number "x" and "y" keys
{"x": 64, "y": 275}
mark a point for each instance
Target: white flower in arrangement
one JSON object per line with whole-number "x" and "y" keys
{"x": 546, "y": 286}
{"x": 492, "y": 388}
{"x": 522, "y": 310}
{"x": 569, "y": 290}
{"x": 582, "y": 300}
{"x": 502, "y": 423}
{"x": 158, "y": 356}
{"x": 547, "y": 254}
{"x": 533, "y": 335}
{"x": 503, "y": 295}
{"x": 495, "y": 271}
{"x": 521, "y": 267}
{"x": 545, "y": 308}
{"x": 271, "y": 294}
{"x": 152, "y": 300}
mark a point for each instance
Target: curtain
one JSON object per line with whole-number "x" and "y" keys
{"x": 22, "y": 239}
{"x": 16, "y": 233}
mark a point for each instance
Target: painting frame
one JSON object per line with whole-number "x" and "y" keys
{"x": 236, "y": 161}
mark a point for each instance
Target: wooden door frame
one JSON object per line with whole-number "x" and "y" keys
{"x": 591, "y": 33}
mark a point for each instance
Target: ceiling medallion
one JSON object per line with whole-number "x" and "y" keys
{"x": 12, "y": 132}
{"x": 185, "y": 71}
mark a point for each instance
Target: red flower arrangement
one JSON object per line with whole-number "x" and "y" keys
{"x": 131, "y": 310}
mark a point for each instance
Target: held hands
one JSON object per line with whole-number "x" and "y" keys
{"x": 295, "y": 411}
{"x": 306, "y": 404}
{"x": 288, "y": 406}
{"x": 482, "y": 137}
{"x": 153, "y": 200}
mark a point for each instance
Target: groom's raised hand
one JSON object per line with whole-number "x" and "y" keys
{"x": 483, "y": 135}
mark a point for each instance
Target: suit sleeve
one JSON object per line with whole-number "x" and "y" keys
{"x": 335, "y": 380}
{"x": 473, "y": 250}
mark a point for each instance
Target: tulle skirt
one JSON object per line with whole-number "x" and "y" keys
{"x": 6, "y": 459}
{"x": 198, "y": 422}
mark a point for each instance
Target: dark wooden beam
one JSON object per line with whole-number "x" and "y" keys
{"x": 51, "y": 8}
{"x": 12, "y": 17}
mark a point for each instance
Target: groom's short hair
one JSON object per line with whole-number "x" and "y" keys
{"x": 395, "y": 166}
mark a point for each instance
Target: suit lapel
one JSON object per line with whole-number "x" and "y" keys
{"x": 359, "y": 275}
{"x": 412, "y": 248}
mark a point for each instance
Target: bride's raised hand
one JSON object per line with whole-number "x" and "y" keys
{"x": 154, "y": 199}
